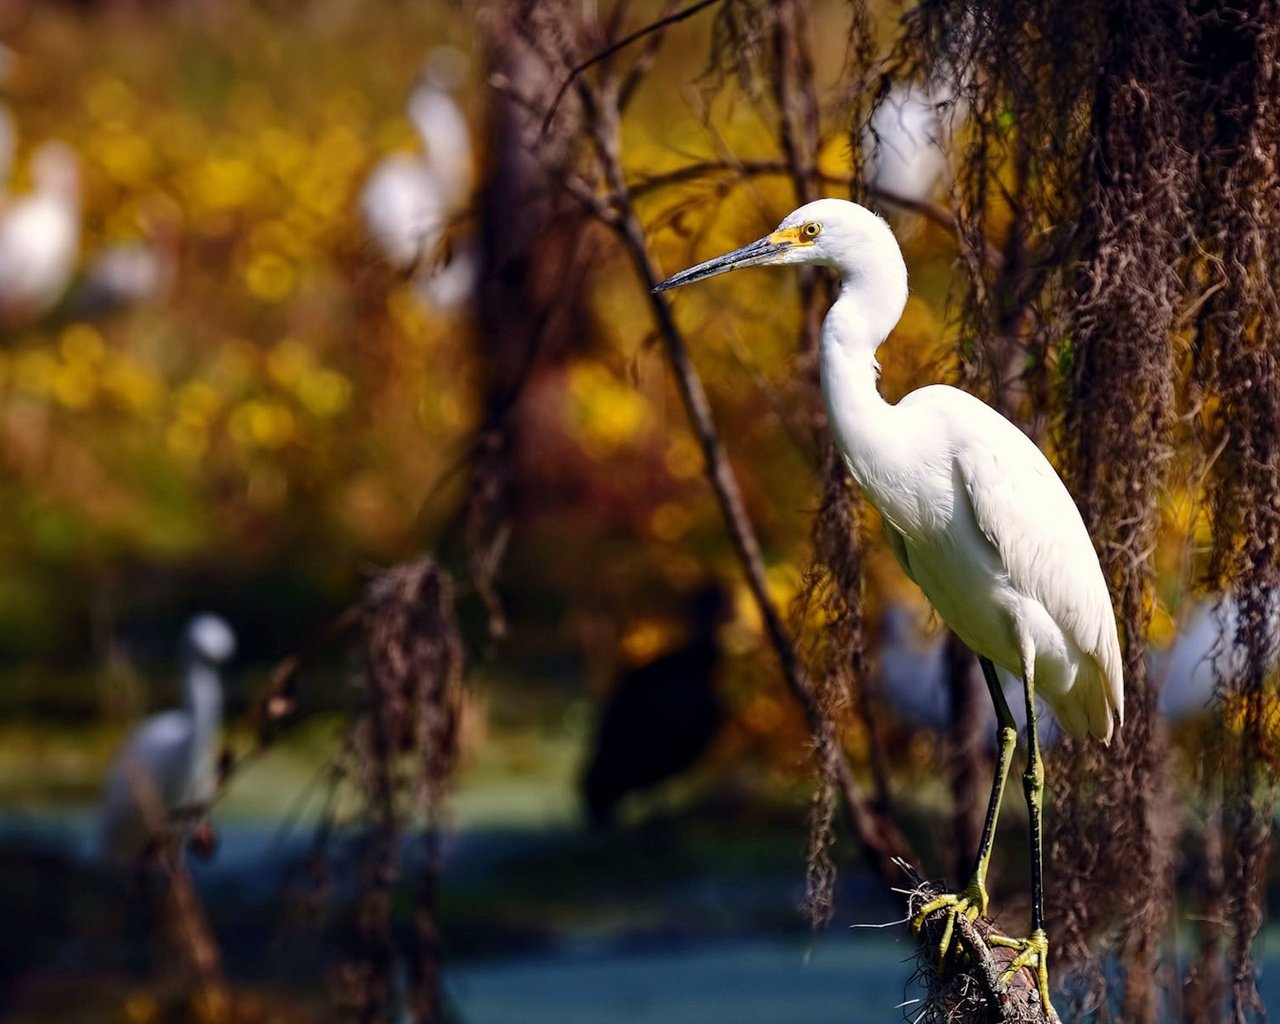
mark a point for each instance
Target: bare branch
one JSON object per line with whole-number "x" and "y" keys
{"x": 931, "y": 211}
{"x": 621, "y": 44}
{"x": 880, "y": 839}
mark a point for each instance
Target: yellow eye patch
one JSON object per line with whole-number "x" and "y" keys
{"x": 804, "y": 234}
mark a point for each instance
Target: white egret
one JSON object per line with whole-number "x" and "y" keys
{"x": 403, "y": 210}
{"x": 442, "y": 126}
{"x": 907, "y": 139}
{"x": 169, "y": 763}
{"x": 974, "y": 513}
{"x": 40, "y": 235}
{"x": 410, "y": 199}
{"x": 1203, "y": 652}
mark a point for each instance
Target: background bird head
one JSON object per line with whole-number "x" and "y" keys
{"x": 210, "y": 639}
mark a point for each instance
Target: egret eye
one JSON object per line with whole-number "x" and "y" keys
{"x": 811, "y": 230}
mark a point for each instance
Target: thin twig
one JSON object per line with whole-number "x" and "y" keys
{"x": 931, "y": 211}
{"x": 621, "y": 44}
{"x": 880, "y": 838}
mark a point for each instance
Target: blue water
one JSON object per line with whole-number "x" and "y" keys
{"x": 850, "y": 977}
{"x": 837, "y": 980}
{"x": 831, "y": 981}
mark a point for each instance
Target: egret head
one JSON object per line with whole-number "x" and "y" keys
{"x": 828, "y": 232}
{"x": 210, "y": 639}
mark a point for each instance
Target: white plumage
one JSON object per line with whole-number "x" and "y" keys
{"x": 903, "y": 144}
{"x": 169, "y": 763}
{"x": 973, "y": 511}
{"x": 906, "y": 144}
{"x": 403, "y": 210}
{"x": 1203, "y": 652}
{"x": 410, "y": 200}
{"x": 40, "y": 235}
{"x": 125, "y": 274}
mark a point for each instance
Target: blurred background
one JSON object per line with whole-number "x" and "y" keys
{"x": 269, "y": 273}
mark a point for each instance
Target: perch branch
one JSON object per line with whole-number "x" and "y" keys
{"x": 969, "y": 986}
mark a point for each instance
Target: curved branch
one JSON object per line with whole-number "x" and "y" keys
{"x": 935, "y": 212}
{"x": 621, "y": 44}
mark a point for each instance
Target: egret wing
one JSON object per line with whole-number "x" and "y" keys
{"x": 147, "y": 779}
{"x": 1026, "y": 512}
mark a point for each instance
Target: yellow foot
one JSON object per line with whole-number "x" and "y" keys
{"x": 972, "y": 903}
{"x": 1032, "y": 952}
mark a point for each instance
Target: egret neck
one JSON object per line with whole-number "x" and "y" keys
{"x": 873, "y": 294}
{"x": 203, "y": 702}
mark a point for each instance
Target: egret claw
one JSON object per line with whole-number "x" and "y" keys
{"x": 972, "y": 903}
{"x": 1032, "y": 952}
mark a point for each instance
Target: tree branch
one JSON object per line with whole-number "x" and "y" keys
{"x": 969, "y": 986}
{"x": 879, "y": 837}
{"x": 931, "y": 211}
{"x": 621, "y": 44}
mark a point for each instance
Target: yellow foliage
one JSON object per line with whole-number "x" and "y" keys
{"x": 138, "y": 388}
{"x": 224, "y": 183}
{"x": 263, "y": 423}
{"x": 683, "y": 458}
{"x": 670, "y": 521}
{"x": 270, "y": 277}
{"x": 606, "y": 414}
{"x": 82, "y": 344}
{"x": 74, "y": 385}
{"x": 107, "y": 98}
{"x": 324, "y": 393}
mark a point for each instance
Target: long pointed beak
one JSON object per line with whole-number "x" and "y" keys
{"x": 761, "y": 251}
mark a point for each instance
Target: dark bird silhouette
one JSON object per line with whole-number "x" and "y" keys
{"x": 660, "y": 716}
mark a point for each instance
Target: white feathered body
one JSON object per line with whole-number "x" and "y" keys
{"x": 403, "y": 210}
{"x": 973, "y": 510}
{"x": 39, "y": 243}
{"x": 446, "y": 140}
{"x": 978, "y": 518}
{"x": 410, "y": 200}
{"x": 169, "y": 763}
{"x": 905, "y": 143}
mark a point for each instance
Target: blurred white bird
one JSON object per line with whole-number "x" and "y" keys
{"x": 409, "y": 200}
{"x": 403, "y": 210}
{"x": 40, "y": 235}
{"x": 125, "y": 274}
{"x": 906, "y": 144}
{"x": 170, "y": 761}
{"x": 914, "y": 685}
{"x": 446, "y": 137}
{"x": 1203, "y": 651}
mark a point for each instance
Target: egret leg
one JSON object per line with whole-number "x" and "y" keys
{"x": 1032, "y": 951}
{"x": 973, "y": 900}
